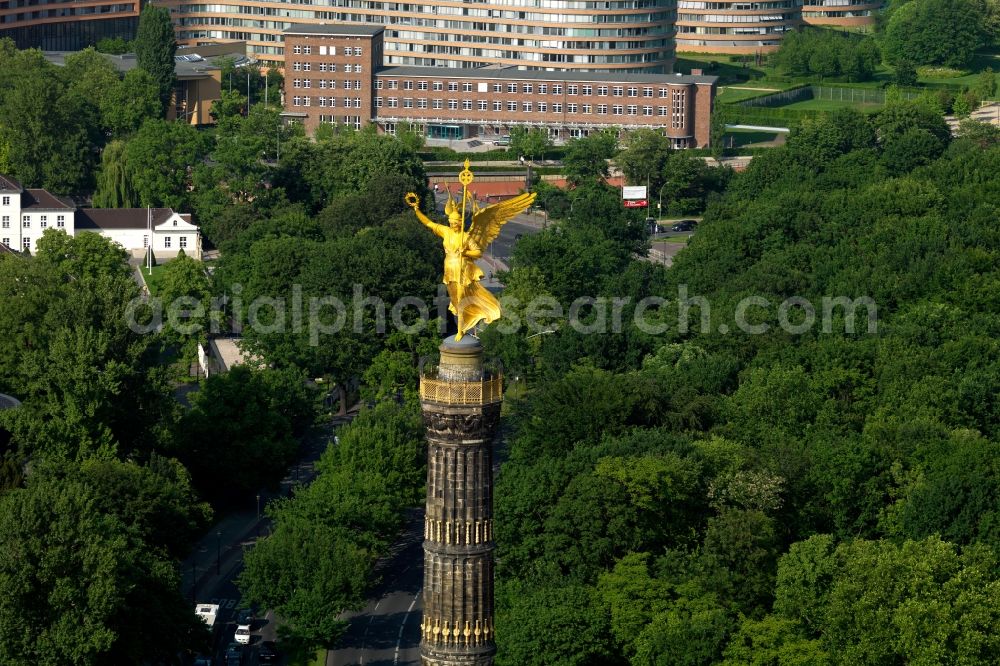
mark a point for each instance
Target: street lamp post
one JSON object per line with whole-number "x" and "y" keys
{"x": 218, "y": 552}
{"x": 659, "y": 201}
{"x": 258, "y": 506}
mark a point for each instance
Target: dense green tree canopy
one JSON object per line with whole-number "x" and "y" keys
{"x": 113, "y": 45}
{"x": 242, "y": 429}
{"x": 343, "y": 164}
{"x": 155, "y": 47}
{"x": 127, "y": 103}
{"x": 586, "y": 158}
{"x": 643, "y": 159}
{"x": 354, "y": 270}
{"x": 678, "y": 486}
{"x": 678, "y": 183}
{"x": 47, "y": 127}
{"x": 54, "y": 120}
{"x": 92, "y": 581}
{"x": 81, "y": 371}
{"x": 529, "y": 142}
{"x": 828, "y": 54}
{"x": 319, "y": 559}
{"x": 155, "y": 166}
{"x": 935, "y": 32}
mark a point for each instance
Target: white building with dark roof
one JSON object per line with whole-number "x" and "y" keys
{"x": 25, "y": 214}
{"x": 130, "y": 228}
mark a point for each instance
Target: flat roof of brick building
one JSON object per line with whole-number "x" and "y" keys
{"x": 514, "y": 74}
{"x": 333, "y": 30}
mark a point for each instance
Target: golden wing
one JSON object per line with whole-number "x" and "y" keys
{"x": 486, "y": 222}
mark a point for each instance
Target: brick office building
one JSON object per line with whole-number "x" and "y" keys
{"x": 334, "y": 74}
{"x": 842, "y": 13}
{"x": 735, "y": 26}
{"x": 67, "y": 25}
{"x": 611, "y": 35}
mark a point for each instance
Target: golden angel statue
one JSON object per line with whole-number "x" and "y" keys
{"x": 471, "y": 303}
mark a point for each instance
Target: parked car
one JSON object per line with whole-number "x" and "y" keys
{"x": 651, "y": 225}
{"x": 245, "y": 618}
{"x": 234, "y": 654}
{"x": 268, "y": 653}
{"x": 684, "y": 225}
{"x": 502, "y": 141}
{"x": 242, "y": 635}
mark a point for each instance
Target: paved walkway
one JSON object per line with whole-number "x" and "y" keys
{"x": 136, "y": 264}
{"x": 749, "y": 88}
{"x": 989, "y": 113}
{"x": 663, "y": 252}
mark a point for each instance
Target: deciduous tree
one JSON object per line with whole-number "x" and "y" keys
{"x": 935, "y": 32}
{"x": 587, "y": 158}
{"x": 91, "y": 584}
{"x": 114, "y": 180}
{"x": 644, "y": 158}
{"x": 239, "y": 435}
{"x": 529, "y": 142}
{"x": 126, "y": 104}
{"x": 159, "y": 159}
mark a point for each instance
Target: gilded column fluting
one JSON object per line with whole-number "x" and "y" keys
{"x": 461, "y": 409}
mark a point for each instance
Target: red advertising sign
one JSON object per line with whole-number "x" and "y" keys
{"x": 635, "y": 203}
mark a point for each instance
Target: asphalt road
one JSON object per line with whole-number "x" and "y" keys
{"x": 386, "y": 632}
{"x": 663, "y": 246}
{"x": 209, "y": 573}
{"x": 503, "y": 247}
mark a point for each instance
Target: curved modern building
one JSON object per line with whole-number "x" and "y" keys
{"x": 735, "y": 26}
{"x": 613, "y": 35}
{"x": 67, "y": 25}
{"x": 847, "y": 13}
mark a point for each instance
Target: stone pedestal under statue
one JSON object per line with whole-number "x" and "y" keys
{"x": 460, "y": 401}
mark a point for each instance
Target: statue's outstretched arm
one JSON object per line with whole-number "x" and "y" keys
{"x": 414, "y": 202}
{"x": 472, "y": 250}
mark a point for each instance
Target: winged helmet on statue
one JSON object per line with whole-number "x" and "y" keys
{"x": 471, "y": 303}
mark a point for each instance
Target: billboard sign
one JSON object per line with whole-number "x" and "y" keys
{"x": 635, "y": 203}
{"x": 633, "y": 192}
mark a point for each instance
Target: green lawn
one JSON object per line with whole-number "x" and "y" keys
{"x": 153, "y": 281}
{"x": 731, "y": 95}
{"x": 740, "y": 138}
{"x": 731, "y": 71}
{"x": 979, "y": 63}
{"x": 829, "y": 105}
{"x": 679, "y": 240}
